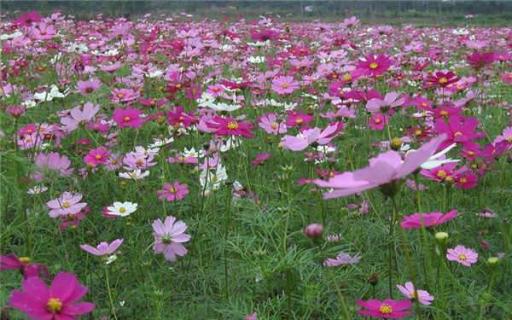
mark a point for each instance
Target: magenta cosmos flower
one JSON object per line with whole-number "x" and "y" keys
{"x": 374, "y": 65}
{"x": 102, "y": 249}
{"x": 128, "y": 117}
{"x": 61, "y": 301}
{"x": 462, "y": 255}
{"x": 97, "y": 157}
{"x": 67, "y": 204}
{"x": 412, "y": 293}
{"x": 388, "y": 309}
{"x": 230, "y": 127}
{"x": 418, "y": 220}
{"x": 173, "y": 191}
{"x": 383, "y": 169}
{"x": 284, "y": 85}
{"x": 23, "y": 265}
{"x": 169, "y": 238}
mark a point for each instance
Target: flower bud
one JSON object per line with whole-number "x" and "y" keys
{"x": 396, "y": 144}
{"x": 493, "y": 261}
{"x": 373, "y": 279}
{"x": 441, "y": 236}
{"x": 314, "y": 230}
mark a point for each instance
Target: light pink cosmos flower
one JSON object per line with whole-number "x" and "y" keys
{"x": 173, "y": 191}
{"x": 124, "y": 95}
{"x": 410, "y": 292}
{"x": 383, "y": 169}
{"x": 271, "y": 125}
{"x": 284, "y": 85}
{"x": 342, "y": 259}
{"x": 52, "y": 161}
{"x": 88, "y": 86}
{"x": 102, "y": 249}
{"x": 67, "y": 204}
{"x": 462, "y": 255}
{"x": 310, "y": 136}
{"x": 169, "y": 238}
{"x": 390, "y": 101}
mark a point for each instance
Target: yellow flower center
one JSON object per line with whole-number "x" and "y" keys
{"x": 463, "y": 180}
{"x": 462, "y": 257}
{"x": 126, "y": 118}
{"x": 443, "y": 80}
{"x": 24, "y": 260}
{"x": 120, "y": 95}
{"x": 448, "y": 179}
{"x": 54, "y": 305}
{"x": 274, "y": 125}
{"x": 122, "y": 210}
{"x": 377, "y": 120}
{"x": 233, "y": 125}
{"x": 299, "y": 121}
{"x": 172, "y": 189}
{"x": 347, "y": 77}
{"x": 441, "y": 174}
{"x": 509, "y": 139}
{"x": 285, "y": 85}
{"x": 385, "y": 308}
{"x": 66, "y": 204}
{"x": 418, "y": 132}
{"x": 374, "y": 65}
{"x": 98, "y": 156}
{"x": 457, "y": 134}
{"x": 444, "y": 113}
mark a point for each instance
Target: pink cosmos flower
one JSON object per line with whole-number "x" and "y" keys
{"x": 411, "y": 293}
{"x": 88, "y": 86}
{"x": 441, "y": 79}
{"x": 458, "y": 129}
{"x": 342, "y": 259}
{"x": 67, "y": 204}
{"x": 124, "y": 95}
{"x": 298, "y": 119}
{"x": 61, "y": 301}
{"x": 462, "y": 255}
{"x": 102, "y": 249}
{"x": 23, "y": 265}
{"x": 169, "y": 238}
{"x": 98, "y": 156}
{"x": 128, "y": 117}
{"x": 310, "y": 136}
{"x": 260, "y": 158}
{"x": 427, "y": 220}
{"x": 173, "y": 191}
{"x": 391, "y": 100}
{"x": 178, "y": 117}
{"x": 383, "y": 169}
{"x": 378, "y": 121}
{"x": 374, "y": 65}
{"x": 252, "y": 316}
{"x": 271, "y": 125}
{"x": 28, "y": 18}
{"x": 284, "y": 85}
{"x": 52, "y": 161}
{"x": 387, "y": 309}
{"x": 183, "y": 159}
{"x": 229, "y": 126}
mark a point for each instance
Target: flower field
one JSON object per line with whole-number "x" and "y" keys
{"x": 170, "y": 168}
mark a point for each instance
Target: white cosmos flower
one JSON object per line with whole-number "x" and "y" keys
{"x": 212, "y": 180}
{"x": 122, "y": 209}
{"x": 37, "y": 189}
{"x": 438, "y": 159}
{"x": 134, "y": 175}
{"x": 52, "y": 94}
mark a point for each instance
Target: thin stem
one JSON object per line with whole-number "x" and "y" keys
{"x": 107, "y": 282}
{"x": 391, "y": 245}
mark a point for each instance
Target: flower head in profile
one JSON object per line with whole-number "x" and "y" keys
{"x": 67, "y": 204}
{"x": 427, "y": 220}
{"x": 23, "y": 265}
{"x": 103, "y": 249}
{"x": 51, "y": 162}
{"x": 169, "y": 238}
{"x": 410, "y": 292}
{"x": 173, "y": 191}
{"x": 462, "y": 255}
{"x": 383, "y": 169}
{"x": 387, "y": 309}
{"x": 342, "y": 259}
{"x": 60, "y": 301}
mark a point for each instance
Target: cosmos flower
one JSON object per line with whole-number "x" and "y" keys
{"x": 427, "y": 220}
{"x": 462, "y": 255}
{"x": 374, "y": 65}
{"x": 173, "y": 191}
{"x": 383, "y": 169}
{"x": 342, "y": 259}
{"x": 128, "y": 117}
{"x": 98, "y": 156}
{"x": 88, "y": 86}
{"x": 67, "y": 204}
{"x": 387, "y": 309}
{"x": 284, "y": 85}
{"x": 61, "y": 301}
{"x": 271, "y": 125}
{"x": 230, "y": 127}
{"x": 169, "y": 238}
{"x": 412, "y": 293}
{"x": 23, "y": 265}
{"x": 102, "y": 249}
{"x": 51, "y": 162}
{"x": 121, "y": 209}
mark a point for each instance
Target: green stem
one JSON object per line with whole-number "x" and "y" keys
{"x": 111, "y": 300}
